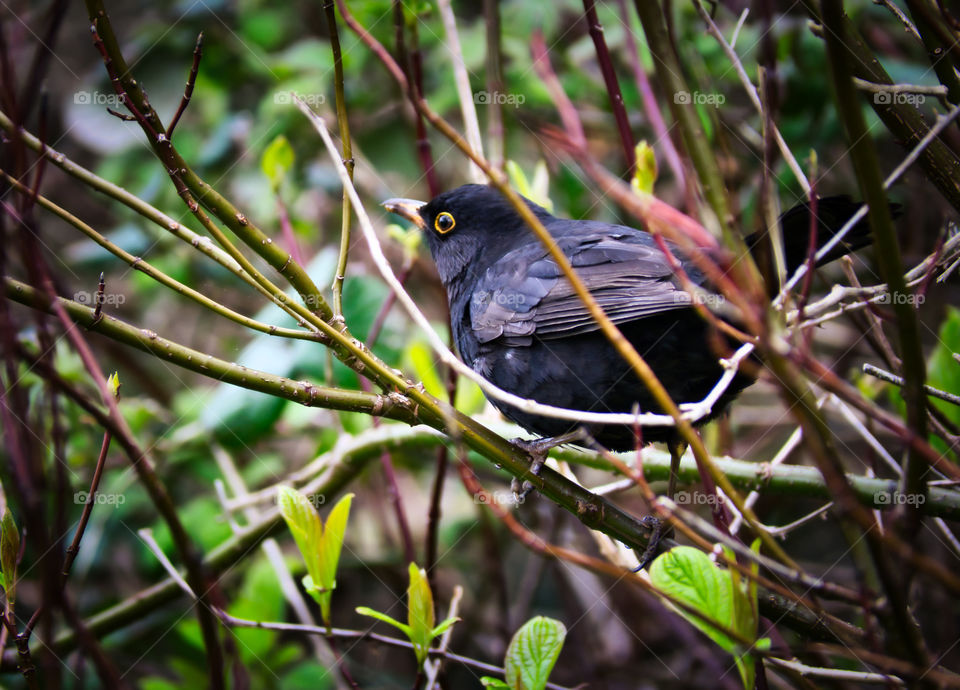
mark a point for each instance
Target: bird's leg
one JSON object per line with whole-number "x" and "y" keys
{"x": 677, "y": 448}
{"x": 656, "y": 534}
{"x": 537, "y": 450}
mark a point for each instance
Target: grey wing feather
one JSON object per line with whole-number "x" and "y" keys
{"x": 516, "y": 299}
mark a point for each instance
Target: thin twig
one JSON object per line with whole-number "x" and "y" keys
{"x": 898, "y": 381}
{"x": 595, "y": 29}
{"x": 188, "y": 89}
{"x": 751, "y": 91}
{"x": 464, "y": 92}
{"x": 343, "y": 124}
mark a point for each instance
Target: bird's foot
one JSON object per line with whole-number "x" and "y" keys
{"x": 521, "y": 489}
{"x": 656, "y": 535}
{"x": 537, "y": 450}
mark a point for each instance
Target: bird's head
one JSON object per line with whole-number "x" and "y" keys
{"x": 464, "y": 225}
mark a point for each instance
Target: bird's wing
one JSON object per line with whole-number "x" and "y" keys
{"x": 525, "y": 294}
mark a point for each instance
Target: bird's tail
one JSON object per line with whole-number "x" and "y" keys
{"x": 832, "y": 213}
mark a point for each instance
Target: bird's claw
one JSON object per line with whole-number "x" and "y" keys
{"x": 538, "y": 456}
{"x": 537, "y": 450}
{"x": 521, "y": 489}
{"x": 656, "y": 534}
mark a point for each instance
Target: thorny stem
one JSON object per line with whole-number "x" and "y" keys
{"x": 190, "y": 187}
{"x": 188, "y": 89}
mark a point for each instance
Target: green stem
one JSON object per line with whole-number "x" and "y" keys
{"x": 905, "y": 122}
{"x": 189, "y": 185}
{"x": 303, "y": 392}
{"x": 867, "y": 168}
{"x": 607, "y": 327}
{"x": 412, "y": 406}
{"x": 345, "y": 463}
{"x": 344, "y": 125}
{"x": 937, "y": 50}
{"x": 133, "y": 202}
{"x": 143, "y": 266}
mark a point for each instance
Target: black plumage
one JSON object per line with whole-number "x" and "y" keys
{"x": 517, "y": 321}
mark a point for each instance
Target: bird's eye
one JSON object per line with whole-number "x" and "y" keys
{"x": 444, "y": 223}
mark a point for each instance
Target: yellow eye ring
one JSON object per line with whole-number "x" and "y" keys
{"x": 444, "y": 223}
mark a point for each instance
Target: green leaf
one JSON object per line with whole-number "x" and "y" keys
{"x": 645, "y": 174}
{"x": 9, "y": 551}
{"x": 260, "y": 598}
{"x": 532, "y": 652}
{"x": 489, "y": 682}
{"x": 943, "y": 371}
{"x": 408, "y": 238}
{"x": 277, "y": 160}
{"x": 422, "y": 361}
{"x": 420, "y": 611}
{"x": 688, "y": 575}
{"x": 331, "y": 544}
{"x": 444, "y": 626}
{"x": 420, "y": 629}
{"x": 113, "y": 383}
{"x": 540, "y": 187}
{"x": 305, "y": 525}
{"x": 367, "y": 611}
{"x": 538, "y": 190}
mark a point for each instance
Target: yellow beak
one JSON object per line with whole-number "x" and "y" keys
{"x": 408, "y": 208}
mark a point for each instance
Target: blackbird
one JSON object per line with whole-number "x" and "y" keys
{"x": 517, "y": 322}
